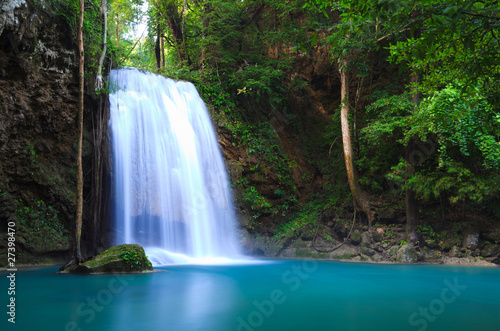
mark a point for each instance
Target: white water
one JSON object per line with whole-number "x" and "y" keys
{"x": 171, "y": 188}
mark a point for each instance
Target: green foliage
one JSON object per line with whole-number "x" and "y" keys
{"x": 387, "y": 119}
{"x": 308, "y": 214}
{"x": 39, "y": 222}
{"x": 134, "y": 259}
{"x": 431, "y": 236}
{"x": 254, "y": 199}
{"x": 464, "y": 128}
{"x": 390, "y": 233}
{"x": 458, "y": 41}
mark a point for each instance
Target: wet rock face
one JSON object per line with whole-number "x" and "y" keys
{"x": 38, "y": 108}
{"x": 10, "y": 12}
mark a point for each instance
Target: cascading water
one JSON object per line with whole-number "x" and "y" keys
{"x": 171, "y": 188}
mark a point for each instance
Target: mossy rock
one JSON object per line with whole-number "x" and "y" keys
{"x": 118, "y": 259}
{"x": 407, "y": 254}
{"x": 356, "y": 237}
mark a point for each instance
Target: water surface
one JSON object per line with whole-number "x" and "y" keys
{"x": 278, "y": 295}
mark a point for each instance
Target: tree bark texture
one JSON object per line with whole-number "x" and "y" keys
{"x": 104, "y": 12}
{"x": 79, "y": 169}
{"x": 361, "y": 199}
{"x": 411, "y": 202}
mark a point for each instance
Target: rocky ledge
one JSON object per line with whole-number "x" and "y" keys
{"x": 378, "y": 244}
{"x": 118, "y": 259}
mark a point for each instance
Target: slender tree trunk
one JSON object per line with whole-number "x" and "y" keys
{"x": 411, "y": 201}
{"x": 104, "y": 11}
{"x": 361, "y": 200}
{"x": 157, "y": 45}
{"x": 355, "y": 113}
{"x": 117, "y": 32}
{"x": 79, "y": 170}
{"x": 162, "y": 51}
{"x": 205, "y": 47}
{"x": 412, "y": 214}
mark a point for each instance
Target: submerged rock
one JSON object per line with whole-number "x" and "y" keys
{"x": 122, "y": 258}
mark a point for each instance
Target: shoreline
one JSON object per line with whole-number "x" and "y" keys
{"x": 485, "y": 264}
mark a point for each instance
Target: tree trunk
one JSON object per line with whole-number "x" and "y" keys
{"x": 104, "y": 12}
{"x": 157, "y": 45}
{"x": 411, "y": 201}
{"x": 162, "y": 51}
{"x": 206, "y": 24}
{"x": 79, "y": 170}
{"x": 411, "y": 197}
{"x": 361, "y": 199}
{"x": 117, "y": 32}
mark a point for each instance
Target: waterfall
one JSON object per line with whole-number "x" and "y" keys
{"x": 170, "y": 184}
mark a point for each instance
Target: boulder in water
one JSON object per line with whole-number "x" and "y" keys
{"x": 118, "y": 259}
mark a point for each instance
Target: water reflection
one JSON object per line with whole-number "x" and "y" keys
{"x": 196, "y": 300}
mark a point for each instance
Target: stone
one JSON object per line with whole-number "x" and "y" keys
{"x": 432, "y": 244}
{"x": 119, "y": 259}
{"x": 356, "y": 237}
{"x": 377, "y": 236}
{"x": 455, "y": 252}
{"x": 367, "y": 251}
{"x": 393, "y": 250}
{"x": 490, "y": 250}
{"x": 364, "y": 257}
{"x": 407, "y": 254}
{"x": 377, "y": 257}
{"x": 343, "y": 253}
{"x": 471, "y": 241}
{"x": 366, "y": 239}
{"x": 288, "y": 253}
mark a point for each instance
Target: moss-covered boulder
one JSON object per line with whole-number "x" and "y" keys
{"x": 118, "y": 259}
